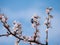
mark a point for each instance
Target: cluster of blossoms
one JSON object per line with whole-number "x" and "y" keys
{"x": 17, "y": 28}
{"x": 48, "y": 10}
{"x": 48, "y": 19}
{"x": 35, "y": 21}
{"x": 3, "y": 19}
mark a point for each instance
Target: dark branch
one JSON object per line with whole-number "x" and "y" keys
{"x": 4, "y": 35}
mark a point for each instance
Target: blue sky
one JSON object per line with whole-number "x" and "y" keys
{"x": 22, "y": 10}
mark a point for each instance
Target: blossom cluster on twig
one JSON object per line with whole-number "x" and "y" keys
{"x": 48, "y": 22}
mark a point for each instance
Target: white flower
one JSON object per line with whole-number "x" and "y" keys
{"x": 47, "y": 10}
{"x": 4, "y": 19}
{"x": 17, "y": 25}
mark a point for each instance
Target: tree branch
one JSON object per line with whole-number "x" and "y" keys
{"x": 4, "y": 35}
